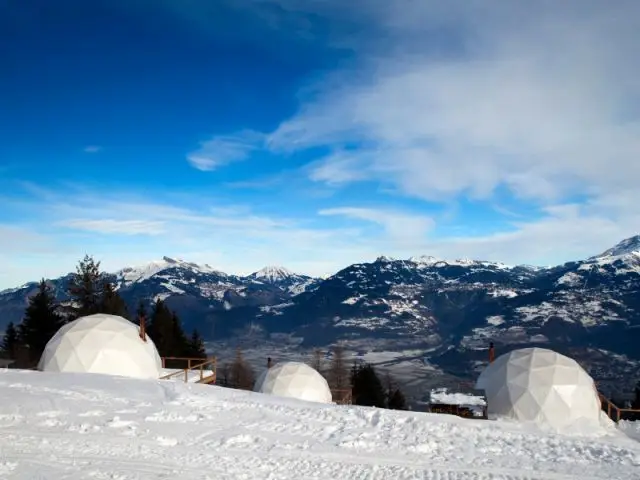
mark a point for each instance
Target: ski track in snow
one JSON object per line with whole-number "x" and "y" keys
{"x": 75, "y": 426}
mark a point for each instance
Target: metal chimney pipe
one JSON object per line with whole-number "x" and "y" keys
{"x": 492, "y": 353}
{"x": 268, "y": 362}
{"x": 143, "y": 331}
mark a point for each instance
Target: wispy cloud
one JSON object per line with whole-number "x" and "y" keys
{"x": 224, "y": 149}
{"x": 115, "y": 227}
{"x": 92, "y": 149}
{"x": 121, "y": 228}
{"x": 541, "y": 100}
{"x": 404, "y": 230}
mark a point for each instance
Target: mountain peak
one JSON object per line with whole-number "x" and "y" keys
{"x": 425, "y": 260}
{"x": 628, "y": 246}
{"x": 384, "y": 259}
{"x": 272, "y": 273}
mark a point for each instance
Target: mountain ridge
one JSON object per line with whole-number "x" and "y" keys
{"x": 627, "y": 247}
{"x": 450, "y": 311}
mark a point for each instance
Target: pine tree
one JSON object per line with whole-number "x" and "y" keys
{"x": 397, "y": 401}
{"x": 160, "y": 329}
{"x": 225, "y": 375}
{"x": 10, "y": 341}
{"x": 196, "y": 345}
{"x": 636, "y": 400}
{"x": 180, "y": 345}
{"x": 111, "y": 302}
{"x": 86, "y": 288}
{"x": 367, "y": 388}
{"x": 165, "y": 329}
{"x": 338, "y": 374}
{"x": 241, "y": 375}
{"x": 395, "y": 397}
{"x": 40, "y": 323}
{"x": 316, "y": 360}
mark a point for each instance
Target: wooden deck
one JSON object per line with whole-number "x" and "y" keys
{"x": 616, "y": 413}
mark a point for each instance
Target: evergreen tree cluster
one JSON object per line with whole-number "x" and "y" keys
{"x": 366, "y": 387}
{"x": 25, "y": 342}
{"x": 165, "y": 328}
{"x": 90, "y": 291}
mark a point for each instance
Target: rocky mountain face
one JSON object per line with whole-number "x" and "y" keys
{"x": 445, "y": 312}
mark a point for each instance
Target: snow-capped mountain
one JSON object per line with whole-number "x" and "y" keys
{"x": 451, "y": 309}
{"x": 130, "y": 275}
{"x": 196, "y": 292}
{"x": 627, "y": 247}
{"x": 272, "y": 274}
{"x": 283, "y": 278}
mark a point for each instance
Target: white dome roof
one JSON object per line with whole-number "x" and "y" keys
{"x": 541, "y": 386}
{"x": 294, "y": 380}
{"x": 101, "y": 344}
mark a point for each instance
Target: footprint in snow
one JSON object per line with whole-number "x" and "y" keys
{"x": 92, "y": 413}
{"x": 166, "y": 442}
{"x": 241, "y": 440}
{"x": 52, "y": 422}
{"x": 52, "y": 414}
{"x": 116, "y": 422}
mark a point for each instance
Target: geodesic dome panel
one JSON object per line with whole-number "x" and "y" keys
{"x": 541, "y": 386}
{"x": 101, "y": 343}
{"x": 294, "y": 380}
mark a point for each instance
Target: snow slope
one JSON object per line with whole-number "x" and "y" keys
{"x": 82, "y": 426}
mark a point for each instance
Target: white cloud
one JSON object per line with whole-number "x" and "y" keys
{"x": 404, "y": 230}
{"x": 541, "y": 99}
{"x": 565, "y": 233}
{"x": 92, "y": 149}
{"x": 122, "y": 229}
{"x": 116, "y": 227}
{"x": 224, "y": 149}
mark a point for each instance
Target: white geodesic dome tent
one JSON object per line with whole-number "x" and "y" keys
{"x": 294, "y": 380}
{"x": 101, "y": 343}
{"x": 541, "y": 386}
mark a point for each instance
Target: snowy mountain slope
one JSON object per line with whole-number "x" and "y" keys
{"x": 284, "y": 279}
{"x": 627, "y": 247}
{"x": 130, "y": 275}
{"x": 78, "y": 426}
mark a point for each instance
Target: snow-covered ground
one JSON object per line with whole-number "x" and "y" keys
{"x": 81, "y": 426}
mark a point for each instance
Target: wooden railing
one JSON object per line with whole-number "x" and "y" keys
{"x": 203, "y": 368}
{"x": 614, "y": 412}
{"x": 190, "y": 360}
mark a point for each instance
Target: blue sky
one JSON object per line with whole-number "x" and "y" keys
{"x": 314, "y": 134}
